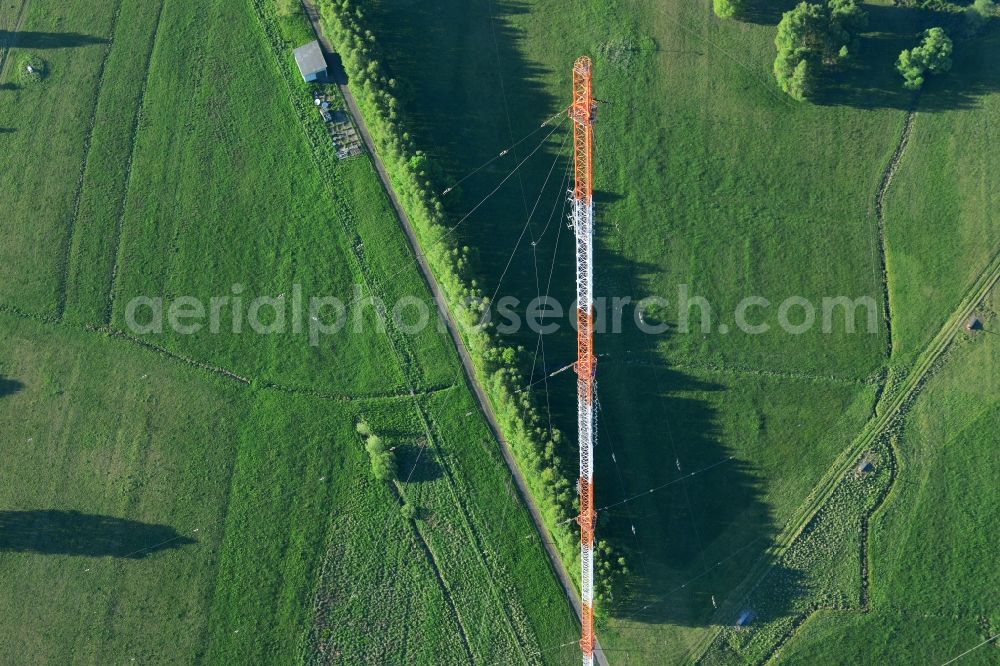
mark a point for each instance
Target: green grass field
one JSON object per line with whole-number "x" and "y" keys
{"x": 707, "y": 176}
{"x": 931, "y": 579}
{"x": 205, "y": 498}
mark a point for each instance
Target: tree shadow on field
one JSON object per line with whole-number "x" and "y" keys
{"x": 9, "y": 86}
{"x": 467, "y": 92}
{"x": 415, "y": 462}
{"x": 48, "y": 40}
{"x": 8, "y": 386}
{"x": 765, "y": 12}
{"x": 869, "y": 79}
{"x": 55, "y": 532}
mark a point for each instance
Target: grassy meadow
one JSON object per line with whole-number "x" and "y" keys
{"x": 940, "y": 217}
{"x": 706, "y": 176}
{"x": 206, "y": 498}
{"x": 931, "y": 580}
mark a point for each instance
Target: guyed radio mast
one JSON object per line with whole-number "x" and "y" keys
{"x": 582, "y": 114}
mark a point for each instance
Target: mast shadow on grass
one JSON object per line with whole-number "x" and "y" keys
{"x": 56, "y": 532}
{"x": 462, "y": 78}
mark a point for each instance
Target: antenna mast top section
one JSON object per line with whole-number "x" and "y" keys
{"x": 582, "y": 113}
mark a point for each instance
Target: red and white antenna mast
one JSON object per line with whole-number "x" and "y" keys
{"x": 582, "y": 114}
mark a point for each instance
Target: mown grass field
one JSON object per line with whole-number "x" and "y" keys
{"x": 706, "y": 176}
{"x": 172, "y": 498}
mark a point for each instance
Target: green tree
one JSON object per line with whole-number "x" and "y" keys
{"x": 801, "y": 36}
{"x": 937, "y": 49}
{"x": 383, "y": 462}
{"x": 910, "y": 64}
{"x": 727, "y": 8}
{"x": 932, "y": 55}
{"x": 816, "y": 33}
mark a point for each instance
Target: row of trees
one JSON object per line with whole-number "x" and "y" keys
{"x": 815, "y": 35}
{"x": 537, "y": 446}
{"x": 812, "y": 36}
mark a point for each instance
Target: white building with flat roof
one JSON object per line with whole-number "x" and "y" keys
{"x": 312, "y": 64}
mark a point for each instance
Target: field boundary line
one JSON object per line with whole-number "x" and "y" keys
{"x": 119, "y": 225}
{"x": 725, "y": 369}
{"x": 67, "y": 244}
{"x": 251, "y": 381}
{"x": 467, "y": 367}
{"x": 218, "y": 370}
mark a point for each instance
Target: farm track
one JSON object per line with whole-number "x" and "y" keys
{"x": 64, "y": 258}
{"x": 119, "y": 225}
{"x": 5, "y": 49}
{"x": 485, "y": 406}
{"x": 890, "y": 409}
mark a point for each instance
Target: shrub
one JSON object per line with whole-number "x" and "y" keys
{"x": 409, "y": 511}
{"x": 727, "y": 8}
{"x": 383, "y": 462}
{"x": 31, "y": 70}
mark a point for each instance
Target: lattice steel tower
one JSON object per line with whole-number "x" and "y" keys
{"x": 582, "y": 114}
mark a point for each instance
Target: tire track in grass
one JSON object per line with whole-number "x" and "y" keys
{"x": 74, "y": 250}
{"x": 117, "y": 235}
{"x": 463, "y": 633}
{"x": 473, "y": 535}
{"x": 63, "y": 266}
